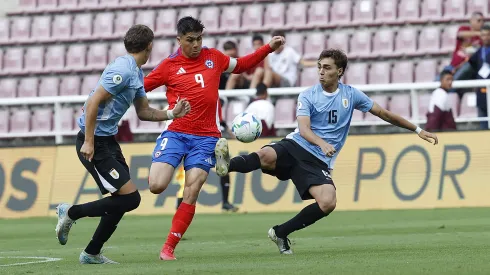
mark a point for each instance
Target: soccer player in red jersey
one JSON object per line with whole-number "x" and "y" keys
{"x": 193, "y": 73}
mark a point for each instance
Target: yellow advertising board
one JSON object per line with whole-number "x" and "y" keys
{"x": 372, "y": 172}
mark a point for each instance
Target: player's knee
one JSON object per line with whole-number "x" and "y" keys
{"x": 131, "y": 201}
{"x": 327, "y": 204}
{"x": 267, "y": 157}
{"x": 156, "y": 188}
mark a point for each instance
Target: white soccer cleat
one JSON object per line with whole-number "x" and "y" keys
{"x": 86, "y": 258}
{"x": 282, "y": 243}
{"x": 64, "y": 223}
{"x": 222, "y": 157}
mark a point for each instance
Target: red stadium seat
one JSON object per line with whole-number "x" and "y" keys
{"x": 27, "y": 5}
{"x": 54, "y": 59}
{"x": 28, "y": 87}
{"x": 4, "y": 121}
{"x": 20, "y": 30}
{"x": 309, "y": 77}
{"x": 166, "y": 23}
{"x": 33, "y": 59}
{"x": 468, "y": 106}
{"x": 67, "y": 118}
{"x": 386, "y": 12}
{"x": 47, "y": 5}
{"x": 429, "y": 40}
{"x": 97, "y": 56}
{"x": 70, "y": 85}
{"x": 382, "y": 101}
{"x": 82, "y": 26}
{"x": 455, "y": 9}
{"x": 41, "y": 28}
{"x": 477, "y": 6}
{"x": 296, "y": 15}
{"x": 409, "y": 11}
{"x": 274, "y": 16}
{"x": 42, "y": 120}
{"x": 400, "y": 105}
{"x": 234, "y": 108}
{"x": 88, "y": 4}
{"x": 383, "y": 42}
{"x": 209, "y": 42}
{"x": 360, "y": 44}
{"x": 297, "y": 40}
{"x": 402, "y": 72}
{"x": 314, "y": 45}
{"x": 284, "y": 112}
{"x": 356, "y": 74}
{"x": 339, "y": 40}
{"x": 20, "y": 121}
{"x": 406, "y": 42}
{"x": 4, "y": 30}
{"x": 210, "y": 19}
{"x": 252, "y": 18}
{"x": 363, "y": 12}
{"x": 67, "y": 4}
{"x": 318, "y": 14}
{"x": 425, "y": 70}
{"x": 49, "y": 86}
{"x": 230, "y": 18}
{"x": 117, "y": 49}
{"x": 340, "y": 13}
{"x": 76, "y": 57}
{"x": 448, "y": 43}
{"x": 161, "y": 50}
{"x": 8, "y": 88}
{"x": 431, "y": 11}
{"x": 423, "y": 100}
{"x": 12, "y": 61}
{"x": 146, "y": 17}
{"x": 379, "y": 73}
{"x": 61, "y": 27}
{"x": 104, "y": 25}
{"x": 90, "y": 82}
{"x": 125, "y": 20}
{"x": 188, "y": 12}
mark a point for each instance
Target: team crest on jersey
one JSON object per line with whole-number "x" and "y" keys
{"x": 209, "y": 64}
{"x": 157, "y": 154}
{"x": 114, "y": 174}
{"x": 345, "y": 103}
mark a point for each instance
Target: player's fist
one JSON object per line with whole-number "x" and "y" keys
{"x": 328, "y": 149}
{"x": 276, "y": 42}
{"x": 182, "y": 108}
{"x": 429, "y": 137}
{"x": 87, "y": 150}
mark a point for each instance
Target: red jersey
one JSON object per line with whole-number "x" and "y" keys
{"x": 459, "y": 55}
{"x": 197, "y": 80}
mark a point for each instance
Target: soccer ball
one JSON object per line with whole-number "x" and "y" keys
{"x": 246, "y": 127}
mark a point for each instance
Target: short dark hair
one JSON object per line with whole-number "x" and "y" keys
{"x": 257, "y": 37}
{"x": 189, "y": 24}
{"x": 486, "y": 27}
{"x": 475, "y": 13}
{"x": 138, "y": 38}
{"x": 339, "y": 58}
{"x": 229, "y": 45}
{"x": 279, "y": 33}
{"x": 444, "y": 73}
{"x": 261, "y": 89}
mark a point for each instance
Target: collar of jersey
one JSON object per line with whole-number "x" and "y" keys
{"x": 330, "y": 94}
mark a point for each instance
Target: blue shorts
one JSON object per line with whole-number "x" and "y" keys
{"x": 197, "y": 151}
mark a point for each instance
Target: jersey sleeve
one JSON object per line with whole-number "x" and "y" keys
{"x": 157, "y": 77}
{"x": 304, "y": 105}
{"x": 140, "y": 93}
{"x": 362, "y": 102}
{"x": 115, "y": 79}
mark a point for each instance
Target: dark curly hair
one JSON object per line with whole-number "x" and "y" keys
{"x": 138, "y": 38}
{"x": 338, "y": 56}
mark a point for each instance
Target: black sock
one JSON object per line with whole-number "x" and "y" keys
{"x": 104, "y": 231}
{"x": 179, "y": 201}
{"x": 106, "y": 206}
{"x": 245, "y": 163}
{"x": 225, "y": 188}
{"x": 306, "y": 217}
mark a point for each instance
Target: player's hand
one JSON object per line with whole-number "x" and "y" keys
{"x": 328, "y": 149}
{"x": 276, "y": 42}
{"x": 182, "y": 108}
{"x": 87, "y": 150}
{"x": 429, "y": 137}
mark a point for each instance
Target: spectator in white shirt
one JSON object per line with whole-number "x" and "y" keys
{"x": 263, "y": 109}
{"x": 440, "y": 116}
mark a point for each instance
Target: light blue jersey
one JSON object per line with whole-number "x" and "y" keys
{"x": 124, "y": 81}
{"x": 330, "y": 115}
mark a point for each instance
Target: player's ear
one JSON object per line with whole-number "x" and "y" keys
{"x": 340, "y": 71}
{"x": 178, "y": 40}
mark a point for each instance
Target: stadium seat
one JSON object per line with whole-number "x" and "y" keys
{"x": 76, "y": 56}
{"x": 67, "y": 5}
{"x": 166, "y": 22}
{"x": 70, "y": 85}
{"x": 4, "y": 30}
{"x": 383, "y": 43}
{"x": 468, "y": 106}
{"x": 4, "y": 121}
{"x": 453, "y": 99}
{"x": 379, "y": 73}
{"x": 61, "y": 27}
{"x": 174, "y": 3}
{"x": 67, "y": 119}
{"x": 402, "y": 72}
{"x": 49, "y": 86}
{"x": 97, "y": 56}
{"x": 109, "y": 4}
{"x": 309, "y": 77}
{"x": 448, "y": 40}
{"x": 318, "y": 14}
{"x": 103, "y": 25}
{"x": 386, "y": 12}
{"x": 20, "y": 30}
{"x": 274, "y": 16}
{"x": 363, "y": 12}
{"x": 27, "y": 5}
{"x": 314, "y": 45}
{"x": 423, "y": 100}
{"x": 89, "y": 83}
{"x": 356, "y": 74}
{"x": 33, "y": 59}
{"x": 296, "y": 15}
{"x": 8, "y": 87}
{"x": 12, "y": 60}
{"x": 400, "y": 104}
{"x": 425, "y": 70}
{"x": 20, "y": 121}
{"x": 230, "y": 18}
{"x": 245, "y": 46}
{"x": 252, "y": 18}
{"x": 47, "y": 5}
{"x": 409, "y": 11}
{"x": 284, "y": 112}
{"x": 382, "y": 101}
{"x": 88, "y": 4}
{"x": 406, "y": 42}
{"x": 210, "y": 18}
{"x": 82, "y": 26}
{"x": 1, "y": 62}
{"x": 188, "y": 12}
{"x": 339, "y": 40}
{"x": 42, "y": 120}
{"x": 41, "y": 28}
{"x": 130, "y": 3}
{"x": 297, "y": 40}
{"x": 431, "y": 11}
{"x": 28, "y": 87}
{"x": 429, "y": 40}
{"x": 78, "y": 113}
{"x": 340, "y": 13}
{"x": 360, "y": 44}
{"x": 234, "y": 108}
{"x": 455, "y": 9}
{"x": 209, "y": 42}
{"x": 161, "y": 50}
{"x": 117, "y": 49}
{"x": 155, "y": 3}
{"x": 146, "y": 17}
{"x": 125, "y": 20}
{"x": 357, "y": 115}
{"x": 477, "y": 5}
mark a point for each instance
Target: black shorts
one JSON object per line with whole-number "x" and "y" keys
{"x": 303, "y": 168}
{"x": 108, "y": 166}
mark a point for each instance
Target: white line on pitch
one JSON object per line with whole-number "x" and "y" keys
{"x": 40, "y": 260}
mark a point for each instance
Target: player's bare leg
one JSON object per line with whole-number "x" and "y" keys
{"x": 235, "y": 80}
{"x": 161, "y": 175}
{"x": 257, "y": 78}
{"x": 271, "y": 79}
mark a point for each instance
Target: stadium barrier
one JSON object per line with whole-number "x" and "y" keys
{"x": 397, "y": 171}
{"x": 413, "y": 88}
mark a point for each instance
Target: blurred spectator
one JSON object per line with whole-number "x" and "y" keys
{"x": 263, "y": 109}
{"x": 440, "y": 116}
{"x": 281, "y": 66}
{"x": 124, "y": 133}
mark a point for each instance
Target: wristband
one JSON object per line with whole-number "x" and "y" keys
{"x": 418, "y": 130}
{"x": 170, "y": 114}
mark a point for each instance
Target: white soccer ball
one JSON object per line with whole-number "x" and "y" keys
{"x": 246, "y": 127}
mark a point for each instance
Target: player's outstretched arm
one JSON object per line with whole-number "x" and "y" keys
{"x": 245, "y": 63}
{"x": 147, "y": 113}
{"x": 399, "y": 121}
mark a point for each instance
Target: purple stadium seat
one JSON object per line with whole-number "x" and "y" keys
{"x": 234, "y": 108}
{"x": 82, "y": 26}
{"x": 360, "y": 44}
{"x": 41, "y": 28}
{"x": 230, "y": 18}
{"x": 468, "y": 106}
{"x": 409, "y": 11}
{"x": 151, "y": 2}
{"x": 67, "y": 4}
{"x": 4, "y": 121}
{"x": 27, "y": 5}
{"x": 429, "y": 40}
{"x": 125, "y": 20}
{"x": 210, "y": 19}
{"x": 245, "y": 46}
{"x": 67, "y": 118}
{"x": 425, "y": 70}
{"x": 117, "y": 49}
{"x": 363, "y": 12}
{"x": 20, "y": 121}
{"x": 477, "y": 5}
{"x": 103, "y": 25}
{"x": 382, "y": 101}
{"x": 97, "y": 56}
{"x": 386, "y": 11}
{"x": 174, "y": 3}
{"x": 42, "y": 120}
{"x": 314, "y": 45}
{"x": 318, "y": 14}
{"x": 402, "y": 72}
{"x": 357, "y": 115}
{"x": 28, "y": 87}
{"x": 274, "y": 16}
{"x": 109, "y": 3}
{"x": 47, "y": 5}
{"x": 49, "y": 86}
{"x": 400, "y": 104}
{"x": 89, "y": 83}
{"x": 284, "y": 112}
{"x": 453, "y": 99}
{"x": 61, "y": 27}
{"x": 406, "y": 42}
{"x": 76, "y": 57}
{"x": 130, "y": 3}
{"x": 4, "y": 30}
{"x": 309, "y": 77}
{"x": 356, "y": 74}
{"x": 296, "y": 15}
{"x": 1, "y": 60}
{"x": 209, "y": 42}
{"x": 12, "y": 60}
{"x": 20, "y": 30}
{"x": 88, "y": 4}
{"x": 431, "y": 11}
{"x": 454, "y": 9}
{"x": 33, "y": 59}
{"x": 383, "y": 42}
{"x": 146, "y": 17}
{"x": 379, "y": 73}
{"x": 188, "y": 12}
{"x": 423, "y": 100}
{"x": 339, "y": 40}
{"x": 297, "y": 40}
{"x": 161, "y": 50}
{"x": 166, "y": 22}
{"x": 8, "y": 88}
{"x": 340, "y": 13}
{"x": 252, "y": 18}
{"x": 70, "y": 85}
{"x": 448, "y": 40}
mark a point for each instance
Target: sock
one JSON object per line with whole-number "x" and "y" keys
{"x": 245, "y": 163}
{"x": 106, "y": 206}
{"x": 179, "y": 201}
{"x": 225, "y": 188}
{"x": 181, "y": 221}
{"x": 306, "y": 217}
{"x": 104, "y": 231}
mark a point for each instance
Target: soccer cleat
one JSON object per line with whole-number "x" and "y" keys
{"x": 64, "y": 223}
{"x": 86, "y": 258}
{"x": 167, "y": 253}
{"x": 222, "y": 157}
{"x": 282, "y": 243}
{"x": 228, "y": 207}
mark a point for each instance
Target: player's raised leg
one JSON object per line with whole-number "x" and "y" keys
{"x": 265, "y": 158}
